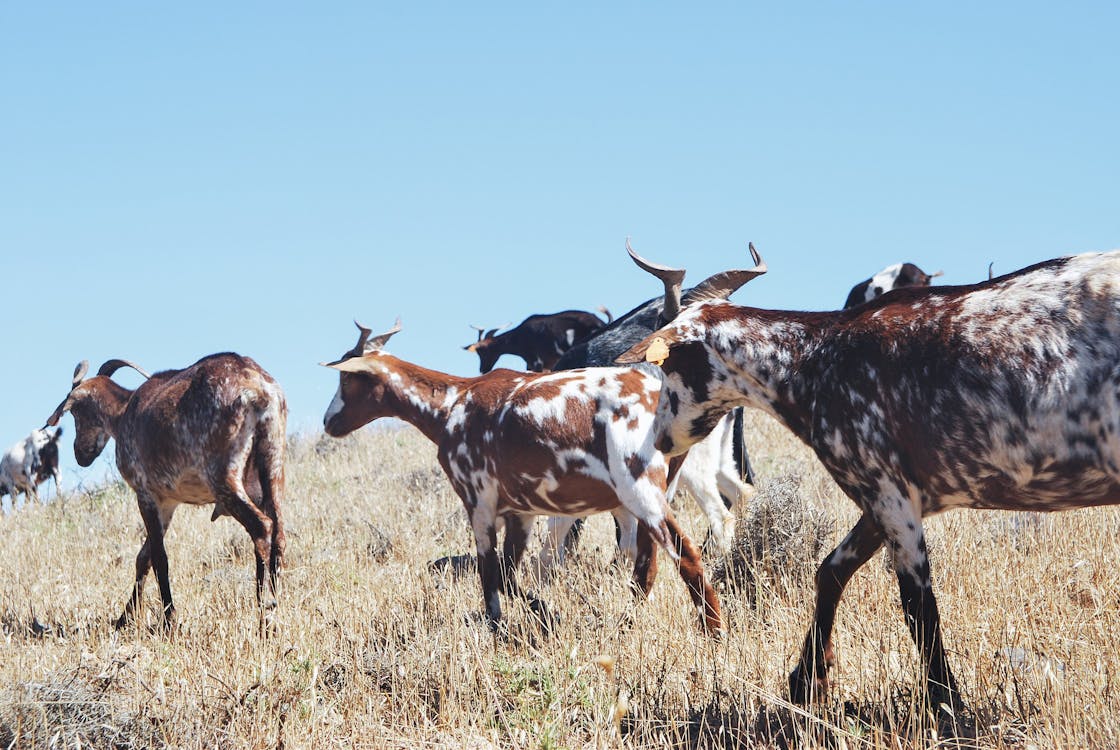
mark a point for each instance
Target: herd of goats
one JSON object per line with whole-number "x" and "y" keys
{"x": 1002, "y": 394}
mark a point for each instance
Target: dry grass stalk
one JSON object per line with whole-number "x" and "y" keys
{"x": 375, "y": 650}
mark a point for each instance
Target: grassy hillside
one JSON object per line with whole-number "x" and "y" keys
{"x": 376, "y": 649}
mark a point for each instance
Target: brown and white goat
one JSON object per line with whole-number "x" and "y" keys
{"x": 1003, "y": 394}
{"x": 717, "y": 469}
{"x": 517, "y": 445}
{"x": 213, "y": 432}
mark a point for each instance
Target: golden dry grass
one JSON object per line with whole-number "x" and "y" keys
{"x": 374, "y": 649}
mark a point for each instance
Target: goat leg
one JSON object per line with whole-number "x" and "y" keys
{"x": 518, "y": 526}
{"x": 143, "y": 565}
{"x": 157, "y": 517}
{"x": 691, "y": 571}
{"x": 232, "y": 495}
{"x": 811, "y": 675}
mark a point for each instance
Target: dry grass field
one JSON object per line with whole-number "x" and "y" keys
{"x": 376, "y": 649}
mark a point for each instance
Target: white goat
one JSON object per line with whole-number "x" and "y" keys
{"x": 19, "y": 466}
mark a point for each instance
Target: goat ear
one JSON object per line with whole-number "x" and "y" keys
{"x": 653, "y": 348}
{"x": 352, "y": 364}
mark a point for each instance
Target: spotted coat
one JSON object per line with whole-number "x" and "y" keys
{"x": 516, "y": 445}
{"x": 47, "y": 466}
{"x": 1003, "y": 394}
{"x": 213, "y": 432}
{"x": 717, "y": 472}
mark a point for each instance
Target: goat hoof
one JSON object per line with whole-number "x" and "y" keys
{"x": 544, "y": 615}
{"x": 804, "y": 689}
{"x": 497, "y": 628}
{"x": 170, "y": 622}
{"x": 955, "y": 726}
{"x": 549, "y": 622}
{"x": 712, "y": 624}
{"x": 626, "y": 620}
{"x": 268, "y": 626}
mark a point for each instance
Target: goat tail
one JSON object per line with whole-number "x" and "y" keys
{"x": 739, "y": 448}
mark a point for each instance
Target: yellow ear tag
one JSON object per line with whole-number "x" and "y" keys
{"x": 657, "y": 352}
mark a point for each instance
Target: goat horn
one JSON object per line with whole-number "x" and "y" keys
{"x": 722, "y": 285}
{"x": 379, "y": 341}
{"x": 113, "y": 365}
{"x": 363, "y": 337}
{"x": 474, "y": 346}
{"x": 57, "y": 415}
{"x": 991, "y": 266}
{"x": 672, "y": 278}
{"x": 79, "y": 373}
{"x": 935, "y": 275}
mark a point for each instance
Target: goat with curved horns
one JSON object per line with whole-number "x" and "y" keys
{"x": 1001, "y": 394}
{"x": 517, "y": 445}
{"x": 717, "y": 471}
{"x": 213, "y": 432}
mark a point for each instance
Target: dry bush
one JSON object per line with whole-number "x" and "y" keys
{"x": 375, "y": 649}
{"x": 780, "y": 539}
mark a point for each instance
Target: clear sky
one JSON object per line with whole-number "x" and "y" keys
{"x": 181, "y": 179}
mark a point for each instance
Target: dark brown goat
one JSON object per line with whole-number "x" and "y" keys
{"x": 213, "y": 432}
{"x": 539, "y": 339}
{"x": 1002, "y": 395}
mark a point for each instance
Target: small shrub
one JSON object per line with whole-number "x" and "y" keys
{"x": 779, "y": 541}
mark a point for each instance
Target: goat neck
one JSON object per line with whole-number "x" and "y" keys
{"x": 758, "y": 358}
{"x": 401, "y": 389}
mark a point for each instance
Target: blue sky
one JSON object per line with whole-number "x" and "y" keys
{"x": 177, "y": 180}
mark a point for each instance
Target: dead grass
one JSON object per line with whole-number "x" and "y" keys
{"x": 375, "y": 649}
